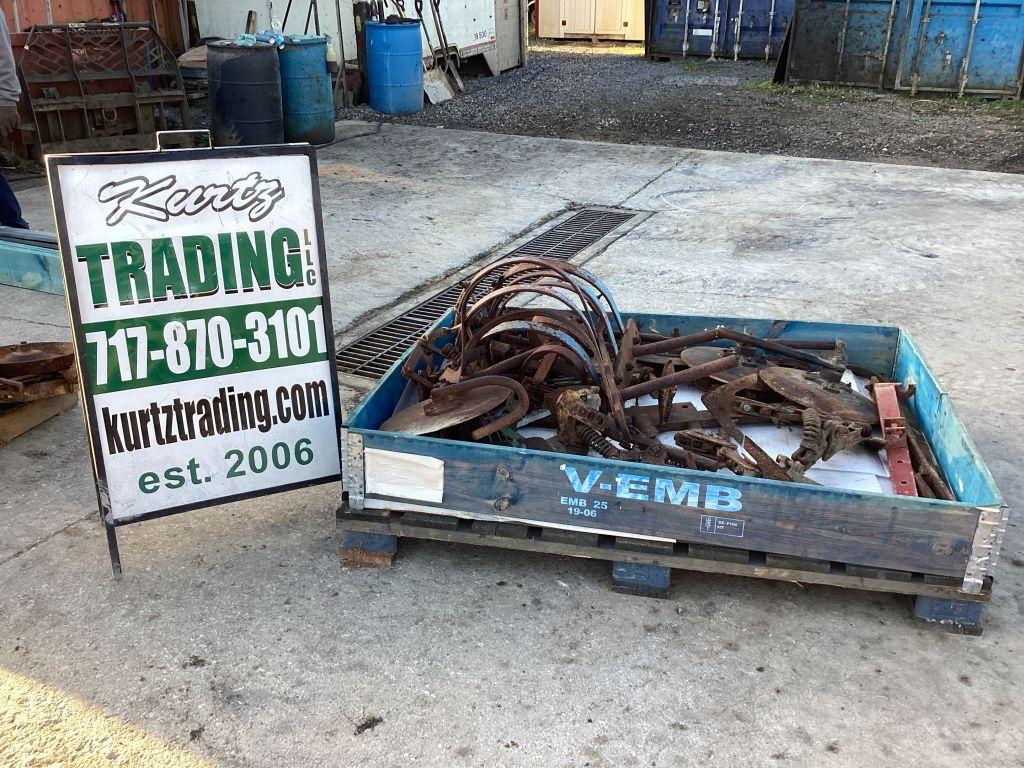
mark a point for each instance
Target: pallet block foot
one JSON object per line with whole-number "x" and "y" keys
{"x": 959, "y": 616}
{"x": 367, "y": 550}
{"x": 641, "y": 579}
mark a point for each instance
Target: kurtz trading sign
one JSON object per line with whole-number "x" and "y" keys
{"x": 198, "y": 294}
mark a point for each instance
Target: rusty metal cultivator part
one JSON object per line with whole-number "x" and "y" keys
{"x": 547, "y": 346}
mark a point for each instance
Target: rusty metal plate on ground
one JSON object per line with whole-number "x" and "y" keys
{"x": 836, "y": 400}
{"x": 435, "y": 414}
{"x": 33, "y": 359}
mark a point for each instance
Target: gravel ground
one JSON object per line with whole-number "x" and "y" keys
{"x": 611, "y": 93}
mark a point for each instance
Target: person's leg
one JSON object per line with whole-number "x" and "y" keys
{"x": 10, "y": 211}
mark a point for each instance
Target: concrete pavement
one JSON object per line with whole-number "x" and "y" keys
{"x": 236, "y": 636}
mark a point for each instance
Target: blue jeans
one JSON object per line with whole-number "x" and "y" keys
{"x": 10, "y": 211}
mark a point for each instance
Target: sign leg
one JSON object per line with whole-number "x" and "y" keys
{"x": 115, "y": 555}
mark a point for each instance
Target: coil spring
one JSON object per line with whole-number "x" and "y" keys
{"x": 597, "y": 441}
{"x": 812, "y": 429}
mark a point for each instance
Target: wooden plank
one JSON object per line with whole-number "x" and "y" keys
{"x": 48, "y": 389}
{"x": 897, "y": 533}
{"x": 724, "y": 554}
{"x": 569, "y": 537}
{"x": 431, "y": 521}
{"x": 19, "y": 419}
{"x": 645, "y": 545}
{"x": 797, "y": 563}
{"x": 879, "y": 573}
{"x": 479, "y": 534}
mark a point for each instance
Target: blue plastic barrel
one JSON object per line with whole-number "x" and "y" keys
{"x": 306, "y": 96}
{"x": 394, "y": 59}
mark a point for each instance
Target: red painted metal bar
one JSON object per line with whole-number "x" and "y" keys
{"x": 894, "y": 428}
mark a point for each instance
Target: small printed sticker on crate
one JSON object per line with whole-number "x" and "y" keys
{"x": 722, "y": 526}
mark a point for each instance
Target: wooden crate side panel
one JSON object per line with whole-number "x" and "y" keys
{"x": 380, "y": 403}
{"x": 956, "y": 452}
{"x": 869, "y": 346}
{"x": 700, "y": 507}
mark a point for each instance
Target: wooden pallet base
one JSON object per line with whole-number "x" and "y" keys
{"x": 643, "y": 567}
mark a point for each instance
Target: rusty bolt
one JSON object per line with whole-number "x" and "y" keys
{"x": 502, "y": 503}
{"x": 504, "y": 473}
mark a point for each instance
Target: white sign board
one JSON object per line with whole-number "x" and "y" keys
{"x": 199, "y": 301}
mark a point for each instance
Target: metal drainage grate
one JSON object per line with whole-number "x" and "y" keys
{"x": 373, "y": 354}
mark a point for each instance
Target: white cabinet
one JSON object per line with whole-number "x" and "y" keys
{"x": 578, "y": 16}
{"x": 604, "y": 19}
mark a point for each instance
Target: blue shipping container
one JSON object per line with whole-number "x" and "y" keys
{"x": 737, "y": 29}
{"x": 949, "y": 46}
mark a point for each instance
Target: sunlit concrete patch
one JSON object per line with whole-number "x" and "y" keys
{"x": 43, "y": 726}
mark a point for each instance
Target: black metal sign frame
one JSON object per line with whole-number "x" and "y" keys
{"x": 53, "y": 164}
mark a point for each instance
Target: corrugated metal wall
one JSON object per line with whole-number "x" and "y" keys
{"x": 946, "y": 46}
{"x": 747, "y": 29}
{"x": 22, "y": 14}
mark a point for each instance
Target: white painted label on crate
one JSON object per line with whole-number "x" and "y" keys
{"x": 701, "y": 32}
{"x": 638, "y": 487}
{"x": 404, "y": 475}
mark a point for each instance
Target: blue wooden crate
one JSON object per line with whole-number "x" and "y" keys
{"x": 927, "y": 540}
{"x": 29, "y": 259}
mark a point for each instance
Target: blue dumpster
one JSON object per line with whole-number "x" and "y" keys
{"x": 306, "y": 96}
{"x": 735, "y": 29}
{"x": 394, "y": 59}
{"x": 948, "y": 46}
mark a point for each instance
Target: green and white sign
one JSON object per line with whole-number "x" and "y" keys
{"x": 198, "y": 293}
